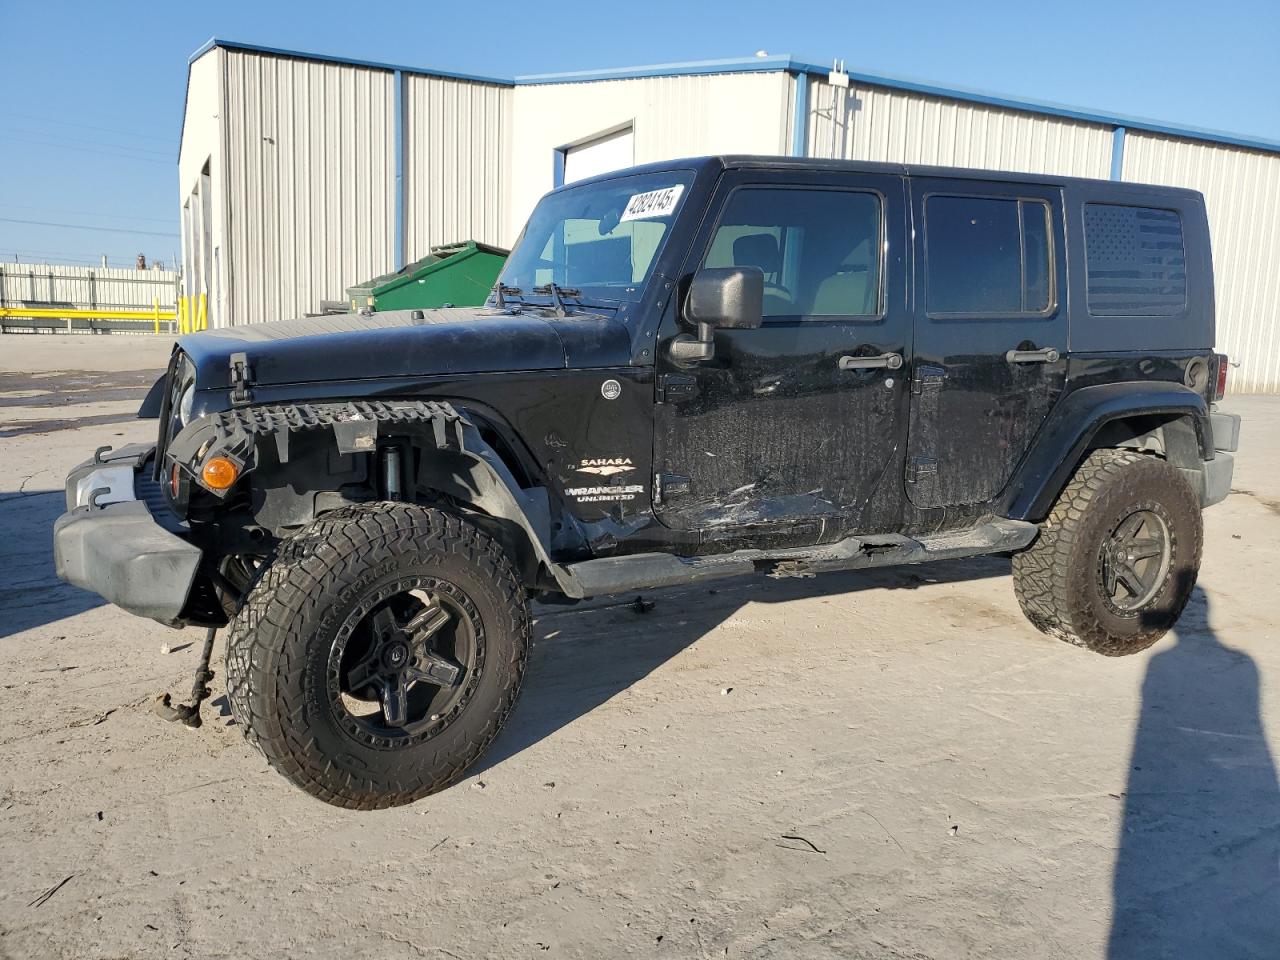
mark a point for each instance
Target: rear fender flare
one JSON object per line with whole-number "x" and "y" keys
{"x": 1066, "y": 437}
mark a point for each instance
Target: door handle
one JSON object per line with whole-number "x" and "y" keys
{"x": 1047, "y": 355}
{"x": 886, "y": 361}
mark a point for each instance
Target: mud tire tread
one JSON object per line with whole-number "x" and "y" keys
{"x": 268, "y": 640}
{"x": 1055, "y": 578}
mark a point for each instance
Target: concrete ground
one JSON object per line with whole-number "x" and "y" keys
{"x": 881, "y": 765}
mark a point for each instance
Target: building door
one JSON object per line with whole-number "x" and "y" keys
{"x": 990, "y": 334}
{"x": 793, "y": 424}
{"x": 614, "y": 151}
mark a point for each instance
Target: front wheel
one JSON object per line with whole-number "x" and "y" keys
{"x": 1117, "y": 557}
{"x": 379, "y": 655}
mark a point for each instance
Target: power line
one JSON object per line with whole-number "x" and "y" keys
{"x": 54, "y": 135}
{"x": 105, "y": 153}
{"x": 87, "y": 213}
{"x": 85, "y": 226}
{"x": 86, "y": 126}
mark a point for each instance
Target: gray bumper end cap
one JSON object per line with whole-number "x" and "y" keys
{"x": 120, "y": 553}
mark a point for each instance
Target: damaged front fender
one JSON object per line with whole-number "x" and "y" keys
{"x": 235, "y": 434}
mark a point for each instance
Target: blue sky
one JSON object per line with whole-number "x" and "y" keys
{"x": 92, "y": 109}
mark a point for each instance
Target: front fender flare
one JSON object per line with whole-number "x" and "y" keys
{"x": 1064, "y": 439}
{"x": 473, "y": 473}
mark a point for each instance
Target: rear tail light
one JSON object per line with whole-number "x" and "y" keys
{"x": 1220, "y": 389}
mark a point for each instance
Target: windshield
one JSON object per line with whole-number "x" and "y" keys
{"x": 600, "y": 239}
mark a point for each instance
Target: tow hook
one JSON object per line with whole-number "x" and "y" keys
{"x": 189, "y": 713}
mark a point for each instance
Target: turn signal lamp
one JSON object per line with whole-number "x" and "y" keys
{"x": 219, "y": 473}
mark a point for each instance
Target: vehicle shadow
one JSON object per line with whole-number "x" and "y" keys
{"x": 31, "y": 595}
{"x": 1198, "y": 869}
{"x": 585, "y": 655}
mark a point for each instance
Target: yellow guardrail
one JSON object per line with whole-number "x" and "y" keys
{"x": 191, "y": 314}
{"x": 154, "y": 315}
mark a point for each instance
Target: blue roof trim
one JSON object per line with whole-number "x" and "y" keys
{"x": 785, "y": 62}
{"x": 1048, "y": 108}
{"x": 685, "y": 69}
{"x": 345, "y": 61}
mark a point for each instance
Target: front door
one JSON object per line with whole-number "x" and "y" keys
{"x": 990, "y": 333}
{"x": 794, "y": 424}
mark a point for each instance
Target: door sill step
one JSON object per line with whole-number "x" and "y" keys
{"x": 649, "y": 571}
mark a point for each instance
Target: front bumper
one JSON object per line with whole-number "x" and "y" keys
{"x": 110, "y": 542}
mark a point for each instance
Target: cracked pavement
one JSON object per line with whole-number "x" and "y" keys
{"x": 890, "y": 764}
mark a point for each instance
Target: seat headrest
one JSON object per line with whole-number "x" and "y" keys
{"x": 757, "y": 250}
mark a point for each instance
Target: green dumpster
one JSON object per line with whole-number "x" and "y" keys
{"x": 454, "y": 274}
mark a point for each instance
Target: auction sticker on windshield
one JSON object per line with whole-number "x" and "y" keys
{"x": 654, "y": 203}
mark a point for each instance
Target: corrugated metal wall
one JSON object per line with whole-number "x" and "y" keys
{"x": 895, "y": 126}
{"x": 677, "y": 116}
{"x": 1242, "y": 195}
{"x": 54, "y": 285}
{"x": 310, "y": 195}
{"x": 455, "y": 136}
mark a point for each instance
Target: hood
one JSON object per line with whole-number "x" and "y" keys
{"x": 397, "y": 343}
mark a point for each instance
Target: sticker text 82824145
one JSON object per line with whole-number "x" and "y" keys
{"x": 653, "y": 203}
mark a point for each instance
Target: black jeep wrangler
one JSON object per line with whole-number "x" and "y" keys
{"x": 690, "y": 370}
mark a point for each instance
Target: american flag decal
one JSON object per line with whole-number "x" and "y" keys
{"x": 1136, "y": 262}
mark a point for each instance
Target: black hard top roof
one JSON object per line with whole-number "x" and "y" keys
{"x": 758, "y": 162}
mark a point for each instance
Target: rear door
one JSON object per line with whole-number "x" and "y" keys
{"x": 799, "y": 419}
{"x": 990, "y": 333}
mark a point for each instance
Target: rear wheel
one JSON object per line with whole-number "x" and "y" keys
{"x": 1117, "y": 557}
{"x": 379, "y": 655}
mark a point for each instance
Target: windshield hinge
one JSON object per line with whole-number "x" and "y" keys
{"x": 241, "y": 380}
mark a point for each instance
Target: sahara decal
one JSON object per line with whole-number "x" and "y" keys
{"x": 605, "y": 466}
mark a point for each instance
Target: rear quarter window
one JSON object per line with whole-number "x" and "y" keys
{"x": 1135, "y": 261}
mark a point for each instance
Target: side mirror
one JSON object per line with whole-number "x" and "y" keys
{"x": 725, "y": 298}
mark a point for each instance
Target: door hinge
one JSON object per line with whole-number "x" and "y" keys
{"x": 921, "y": 468}
{"x": 669, "y": 485}
{"x": 241, "y": 379}
{"x": 926, "y": 375}
{"x": 674, "y": 387}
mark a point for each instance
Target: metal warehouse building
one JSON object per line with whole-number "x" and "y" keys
{"x": 303, "y": 174}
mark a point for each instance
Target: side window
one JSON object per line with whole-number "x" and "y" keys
{"x": 819, "y": 249}
{"x": 1135, "y": 261}
{"x": 987, "y": 255}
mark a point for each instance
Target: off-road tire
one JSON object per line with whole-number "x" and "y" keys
{"x": 1058, "y": 579}
{"x": 278, "y": 645}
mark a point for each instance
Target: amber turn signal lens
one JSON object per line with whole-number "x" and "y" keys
{"x": 219, "y": 473}
{"x": 173, "y": 481}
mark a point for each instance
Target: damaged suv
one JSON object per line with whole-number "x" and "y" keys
{"x": 687, "y": 371}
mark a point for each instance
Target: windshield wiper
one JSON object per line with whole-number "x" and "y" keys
{"x": 500, "y": 293}
{"x": 557, "y": 294}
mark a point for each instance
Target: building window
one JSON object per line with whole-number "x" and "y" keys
{"x": 987, "y": 255}
{"x": 819, "y": 250}
{"x": 1135, "y": 261}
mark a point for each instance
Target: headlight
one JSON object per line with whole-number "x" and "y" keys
{"x": 185, "y": 404}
